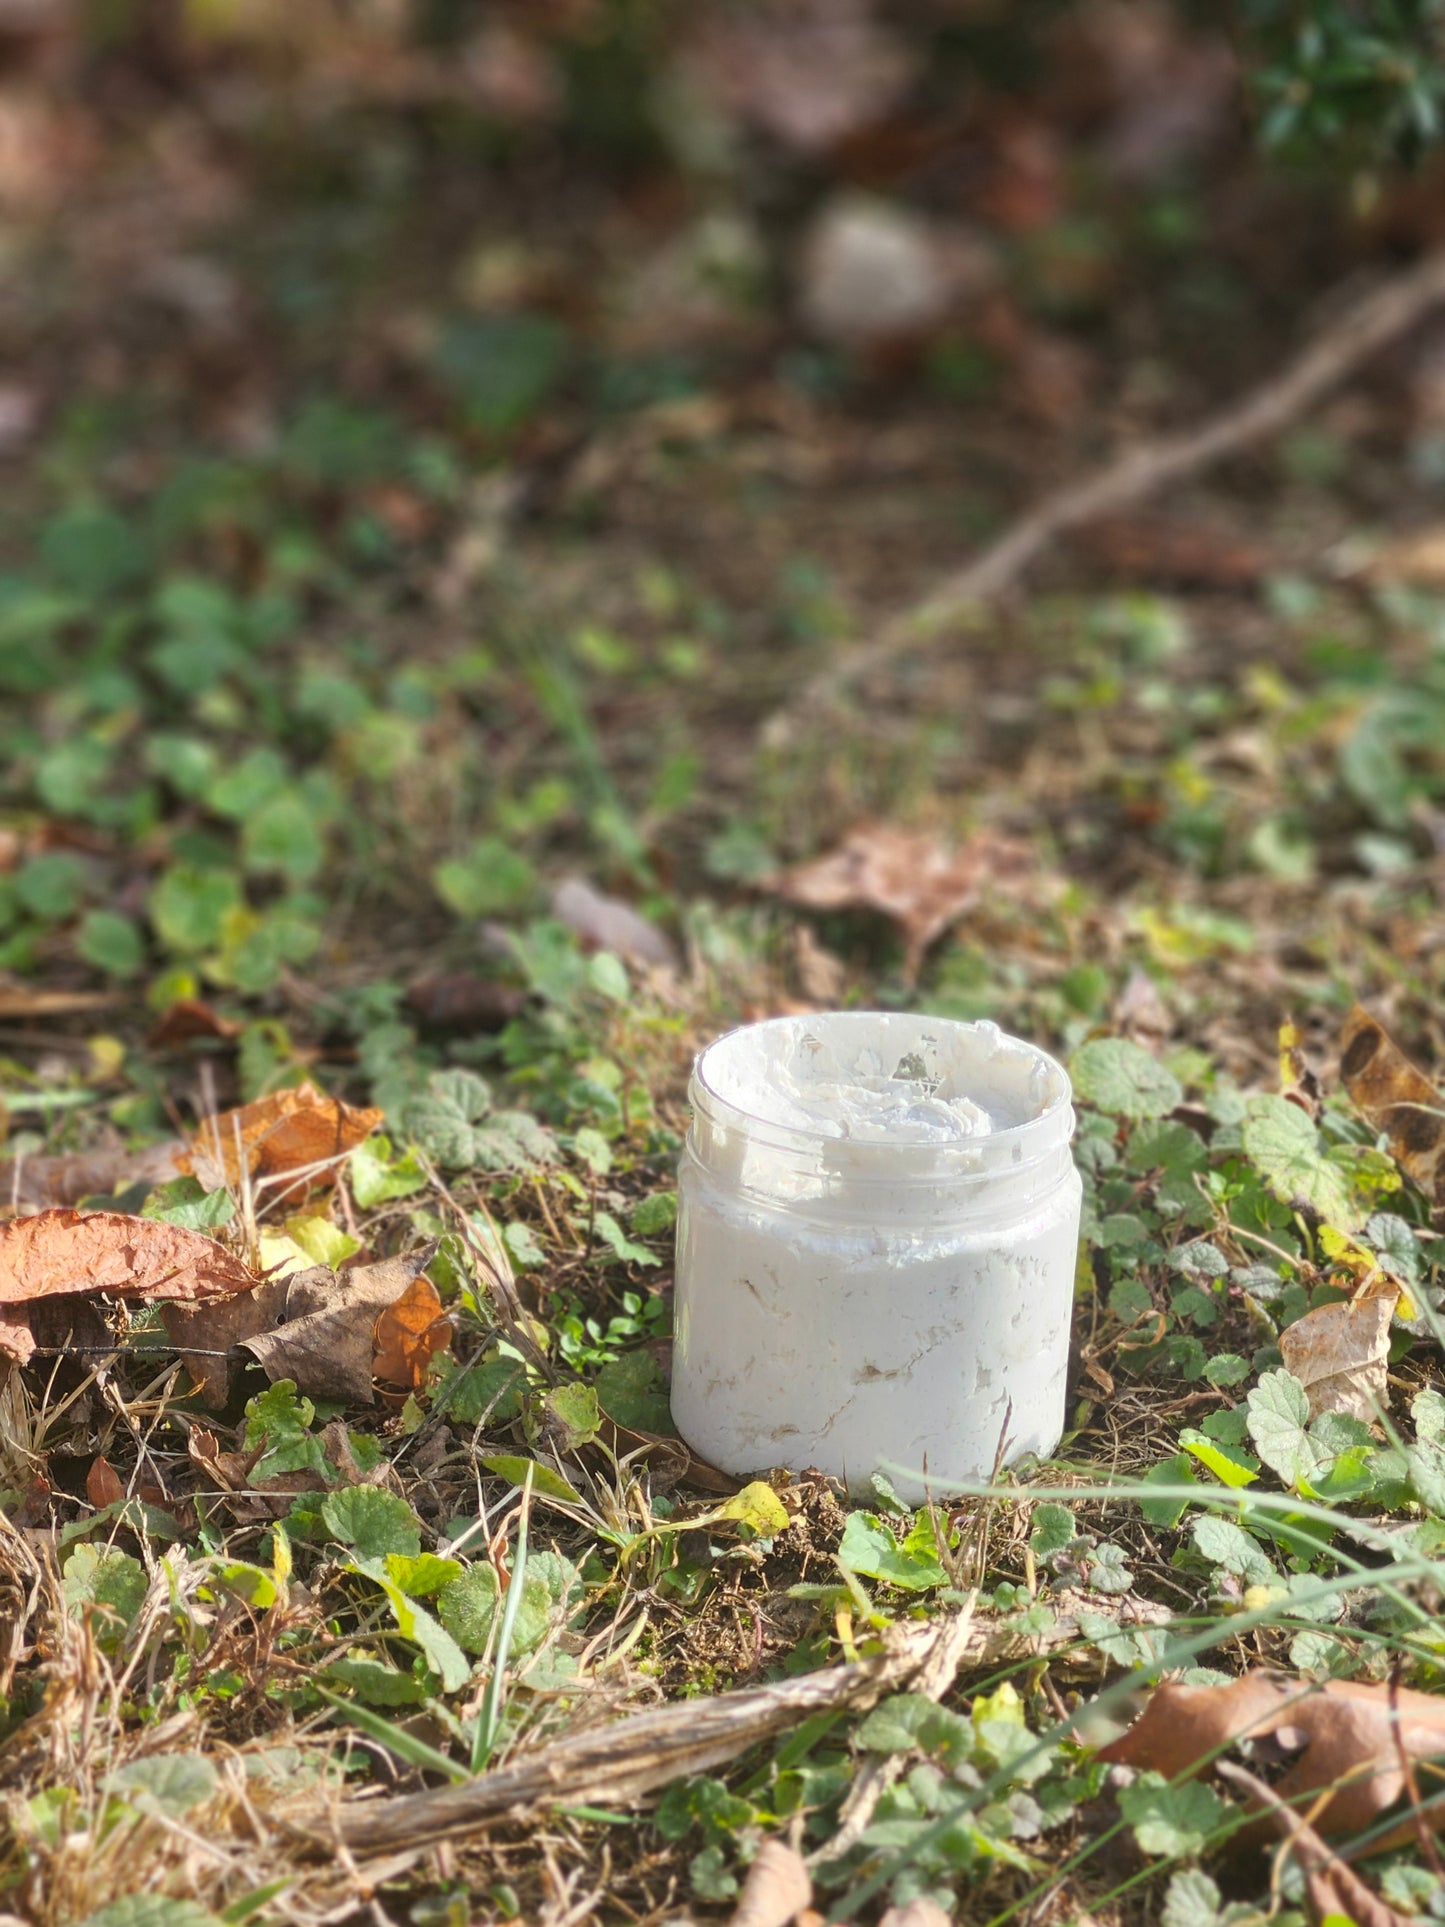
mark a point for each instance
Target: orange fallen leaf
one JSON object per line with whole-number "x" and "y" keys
{"x": 909, "y": 877}
{"x": 1350, "y": 1754}
{"x": 1396, "y": 1098}
{"x": 299, "y": 1133}
{"x": 102, "y": 1484}
{"x": 409, "y": 1334}
{"x": 69, "y": 1253}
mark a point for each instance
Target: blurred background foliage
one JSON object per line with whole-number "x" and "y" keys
{"x": 438, "y": 436}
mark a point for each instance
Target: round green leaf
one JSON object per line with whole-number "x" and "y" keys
{"x": 111, "y": 942}
{"x": 468, "y": 1606}
{"x": 1122, "y": 1078}
{"x": 189, "y": 907}
{"x": 373, "y": 1521}
{"x": 174, "y": 1782}
{"x": 50, "y": 886}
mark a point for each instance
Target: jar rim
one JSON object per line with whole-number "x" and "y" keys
{"x": 1058, "y": 1109}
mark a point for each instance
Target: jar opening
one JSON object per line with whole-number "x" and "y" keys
{"x": 892, "y": 1085}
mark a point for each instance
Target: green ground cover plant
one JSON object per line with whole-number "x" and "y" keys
{"x": 421, "y": 520}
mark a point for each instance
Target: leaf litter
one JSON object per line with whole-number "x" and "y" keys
{"x": 1349, "y": 1745}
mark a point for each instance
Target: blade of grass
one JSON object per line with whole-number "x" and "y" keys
{"x": 405, "y": 1745}
{"x": 492, "y": 1703}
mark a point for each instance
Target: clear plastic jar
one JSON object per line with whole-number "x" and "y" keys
{"x": 876, "y": 1250}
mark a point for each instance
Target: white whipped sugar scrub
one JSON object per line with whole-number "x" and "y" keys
{"x": 876, "y": 1248}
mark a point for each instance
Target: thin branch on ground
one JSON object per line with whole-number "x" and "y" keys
{"x": 1361, "y": 331}
{"x": 620, "y": 1761}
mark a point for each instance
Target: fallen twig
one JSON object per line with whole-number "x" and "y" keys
{"x": 1360, "y": 331}
{"x": 622, "y": 1760}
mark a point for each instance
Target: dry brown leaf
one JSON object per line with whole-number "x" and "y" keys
{"x": 1396, "y": 1098}
{"x": 300, "y": 1131}
{"x": 187, "y": 1020}
{"x": 409, "y": 1334}
{"x": 461, "y": 1000}
{"x": 102, "y": 1484}
{"x": 324, "y": 1337}
{"x": 227, "y": 1470}
{"x": 777, "y": 1889}
{"x": 1350, "y": 1754}
{"x": 1340, "y": 1353}
{"x": 1336, "y": 1891}
{"x": 69, "y": 1253}
{"x": 35, "y": 1184}
{"x": 17, "y": 1335}
{"x": 206, "y": 1336}
{"x": 909, "y": 877}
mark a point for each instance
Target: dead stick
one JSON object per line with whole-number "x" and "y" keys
{"x": 619, "y": 1761}
{"x": 1361, "y": 331}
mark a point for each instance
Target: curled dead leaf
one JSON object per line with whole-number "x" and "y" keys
{"x": 287, "y": 1144}
{"x": 1396, "y": 1098}
{"x": 777, "y": 1889}
{"x": 909, "y": 877}
{"x": 1350, "y": 1755}
{"x": 186, "y": 1022}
